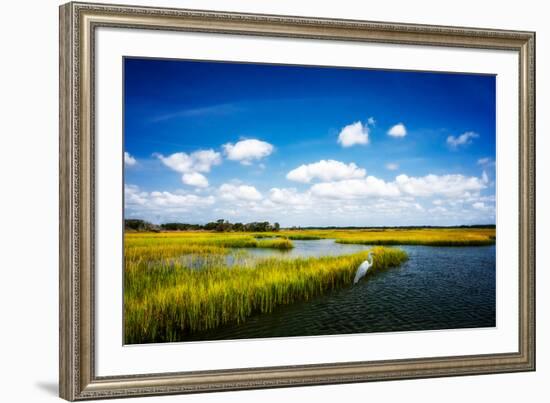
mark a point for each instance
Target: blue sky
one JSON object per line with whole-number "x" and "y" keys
{"x": 307, "y": 146}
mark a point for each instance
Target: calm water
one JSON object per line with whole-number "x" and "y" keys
{"x": 247, "y": 256}
{"x": 437, "y": 288}
{"x": 322, "y": 247}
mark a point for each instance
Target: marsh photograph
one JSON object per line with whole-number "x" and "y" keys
{"x": 267, "y": 200}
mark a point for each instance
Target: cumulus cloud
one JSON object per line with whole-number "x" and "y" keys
{"x": 233, "y": 192}
{"x": 183, "y": 201}
{"x": 246, "y": 151}
{"x": 198, "y": 161}
{"x": 398, "y": 130}
{"x": 289, "y": 196}
{"x": 195, "y": 179}
{"x": 444, "y": 185}
{"x": 153, "y": 203}
{"x": 325, "y": 170}
{"x": 133, "y": 196}
{"x": 355, "y": 188}
{"x": 462, "y": 140}
{"x": 371, "y": 121}
{"x": 478, "y": 205}
{"x": 361, "y": 201}
{"x": 403, "y": 185}
{"x": 129, "y": 160}
{"x": 192, "y": 165}
{"x": 353, "y": 134}
{"x": 391, "y": 166}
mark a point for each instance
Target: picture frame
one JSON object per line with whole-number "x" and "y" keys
{"x": 78, "y": 163}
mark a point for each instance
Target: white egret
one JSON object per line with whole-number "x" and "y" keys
{"x": 363, "y": 268}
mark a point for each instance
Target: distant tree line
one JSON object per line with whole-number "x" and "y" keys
{"x": 264, "y": 226}
{"x": 140, "y": 225}
{"x": 218, "y": 226}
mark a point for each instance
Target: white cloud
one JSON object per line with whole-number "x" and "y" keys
{"x": 246, "y": 151}
{"x": 195, "y": 179}
{"x": 133, "y": 196}
{"x": 438, "y": 209}
{"x": 239, "y": 192}
{"x": 289, "y": 196}
{"x": 198, "y": 161}
{"x": 129, "y": 160}
{"x": 483, "y": 161}
{"x": 149, "y": 205}
{"x": 427, "y": 186}
{"x": 486, "y": 162}
{"x": 479, "y": 205}
{"x": 190, "y": 165}
{"x": 485, "y": 177}
{"x": 203, "y": 160}
{"x": 183, "y": 201}
{"x": 444, "y": 185}
{"x": 355, "y": 188}
{"x": 326, "y": 170}
{"x": 353, "y": 134}
{"x": 371, "y": 121}
{"x": 392, "y": 166}
{"x": 463, "y": 139}
{"x": 398, "y": 130}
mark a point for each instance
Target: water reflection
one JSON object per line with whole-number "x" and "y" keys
{"x": 250, "y": 256}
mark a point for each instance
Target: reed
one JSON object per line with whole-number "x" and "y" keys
{"x": 167, "y": 300}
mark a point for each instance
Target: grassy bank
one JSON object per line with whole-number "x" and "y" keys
{"x": 166, "y": 300}
{"x": 153, "y": 246}
{"x": 193, "y": 241}
{"x": 400, "y": 236}
{"x": 374, "y": 236}
{"x": 431, "y": 237}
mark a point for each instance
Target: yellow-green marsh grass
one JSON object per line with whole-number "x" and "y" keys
{"x": 392, "y": 236}
{"x": 431, "y": 237}
{"x": 151, "y": 245}
{"x": 402, "y": 236}
{"x": 167, "y": 300}
{"x": 167, "y": 297}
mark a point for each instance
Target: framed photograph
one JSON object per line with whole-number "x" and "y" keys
{"x": 256, "y": 201}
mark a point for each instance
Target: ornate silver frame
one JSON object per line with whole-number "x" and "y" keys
{"x": 78, "y": 22}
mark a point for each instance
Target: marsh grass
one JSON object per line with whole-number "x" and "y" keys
{"x": 303, "y": 237}
{"x": 401, "y": 236}
{"x": 179, "y": 283}
{"x": 279, "y": 243}
{"x": 167, "y": 300}
{"x": 430, "y": 237}
{"x": 293, "y": 236}
{"x": 166, "y": 244}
